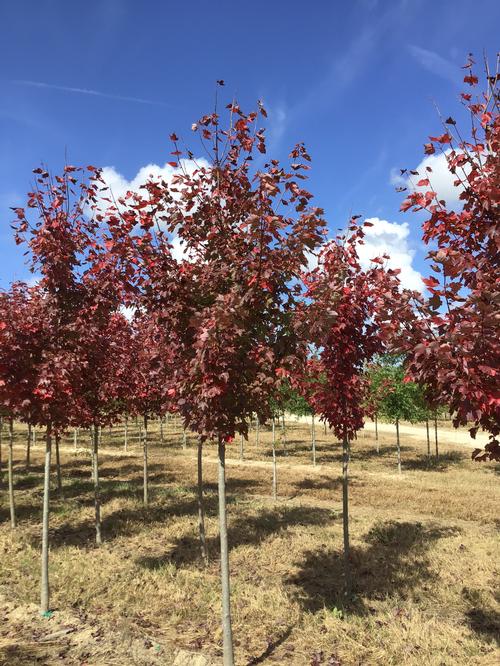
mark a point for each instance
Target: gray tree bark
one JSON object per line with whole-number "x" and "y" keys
{"x": 377, "y": 443}
{"x": 58, "y": 464}
{"x": 398, "y": 444}
{"x": 97, "y": 488}
{"x": 241, "y": 447}
{"x": 10, "y": 467}
{"x": 275, "y": 471}
{"x": 145, "y": 462}
{"x": 28, "y": 448}
{"x": 428, "y": 438}
{"x": 313, "y": 439}
{"x": 345, "y": 515}
{"x": 228, "y": 651}
{"x": 125, "y": 442}
{"x": 45, "y": 590}
{"x": 436, "y": 435}
{"x": 201, "y": 506}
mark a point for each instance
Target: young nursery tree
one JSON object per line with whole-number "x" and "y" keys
{"x": 399, "y": 400}
{"x": 226, "y": 305}
{"x": 454, "y": 346}
{"x": 350, "y": 314}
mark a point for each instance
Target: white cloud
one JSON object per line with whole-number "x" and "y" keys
{"x": 392, "y": 239}
{"x": 119, "y": 185}
{"x": 440, "y": 178}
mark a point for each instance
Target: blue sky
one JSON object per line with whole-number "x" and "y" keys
{"x": 106, "y": 82}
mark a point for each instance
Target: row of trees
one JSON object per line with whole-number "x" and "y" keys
{"x": 217, "y": 332}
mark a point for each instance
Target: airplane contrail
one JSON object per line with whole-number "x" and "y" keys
{"x": 87, "y": 91}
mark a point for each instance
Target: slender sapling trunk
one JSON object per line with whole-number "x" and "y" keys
{"x": 97, "y": 488}
{"x": 377, "y": 443}
{"x": 145, "y": 461}
{"x": 275, "y": 471}
{"x": 398, "y": 444}
{"x": 28, "y": 448}
{"x": 125, "y": 442}
{"x": 436, "y": 435}
{"x": 58, "y": 464}
{"x": 228, "y": 653}
{"x": 241, "y": 447}
{"x": 184, "y": 439}
{"x": 201, "y": 506}
{"x": 10, "y": 463}
{"x": 428, "y": 438}
{"x": 45, "y": 590}
{"x": 345, "y": 514}
{"x": 313, "y": 439}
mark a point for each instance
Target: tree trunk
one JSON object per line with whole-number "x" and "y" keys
{"x": 428, "y": 438}
{"x": 28, "y": 448}
{"x": 241, "y": 447}
{"x": 257, "y": 430}
{"x": 313, "y": 439}
{"x": 10, "y": 463}
{"x": 324, "y": 427}
{"x": 377, "y": 443}
{"x": 184, "y": 439}
{"x": 161, "y": 430}
{"x": 201, "y": 506}
{"x": 145, "y": 461}
{"x": 97, "y": 489}
{"x": 228, "y": 658}
{"x": 398, "y": 444}
{"x": 1, "y": 436}
{"x": 125, "y": 442}
{"x": 58, "y": 464}
{"x": 44, "y": 590}
{"x": 436, "y": 434}
{"x": 275, "y": 471}
{"x": 345, "y": 514}
{"x": 283, "y": 434}
{"x": 34, "y": 435}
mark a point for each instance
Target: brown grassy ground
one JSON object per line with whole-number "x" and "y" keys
{"x": 425, "y": 558}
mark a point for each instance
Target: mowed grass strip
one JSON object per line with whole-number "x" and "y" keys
{"x": 425, "y": 553}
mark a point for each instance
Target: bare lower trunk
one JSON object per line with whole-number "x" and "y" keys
{"x": 345, "y": 513}
{"x": 1, "y": 436}
{"x": 241, "y": 447}
{"x": 201, "y": 506}
{"x": 10, "y": 463}
{"x": 257, "y": 430}
{"x": 58, "y": 464}
{"x": 428, "y": 438}
{"x": 145, "y": 461}
{"x": 275, "y": 471}
{"x": 324, "y": 428}
{"x": 125, "y": 441}
{"x": 283, "y": 434}
{"x": 28, "y": 448}
{"x": 97, "y": 488}
{"x": 313, "y": 439}
{"x": 161, "y": 430}
{"x": 184, "y": 439}
{"x": 44, "y": 590}
{"x": 377, "y": 443}
{"x": 228, "y": 658}
{"x": 398, "y": 444}
{"x": 436, "y": 435}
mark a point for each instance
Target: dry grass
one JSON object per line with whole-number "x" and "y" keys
{"x": 425, "y": 558}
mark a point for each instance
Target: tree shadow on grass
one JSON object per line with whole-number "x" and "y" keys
{"x": 244, "y": 530}
{"x": 321, "y": 483}
{"x": 485, "y": 622}
{"x": 393, "y": 562}
{"x": 423, "y": 463}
